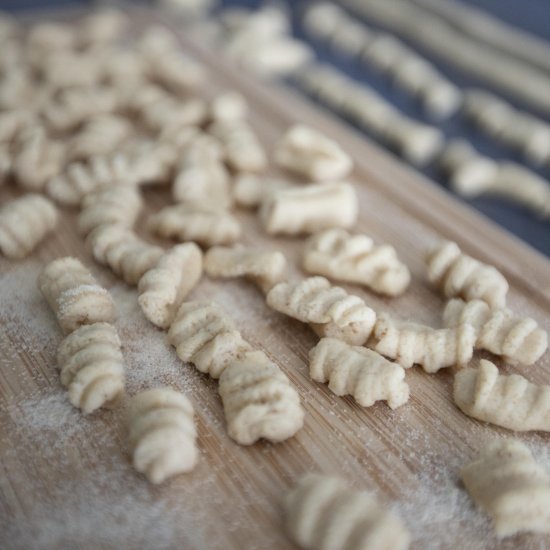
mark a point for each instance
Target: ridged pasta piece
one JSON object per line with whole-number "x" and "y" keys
{"x": 202, "y": 177}
{"x": 243, "y": 151}
{"x": 187, "y": 222}
{"x": 309, "y": 153}
{"x": 204, "y": 335}
{"x": 309, "y": 209}
{"x": 324, "y": 513}
{"x": 508, "y": 401}
{"x": 265, "y": 269}
{"x": 250, "y": 190}
{"x": 162, "y": 434}
{"x": 163, "y": 288}
{"x": 111, "y": 206}
{"x": 337, "y": 254}
{"x": 459, "y": 275}
{"x": 37, "y": 159}
{"x": 92, "y": 367}
{"x": 518, "y": 340}
{"x": 258, "y": 400}
{"x": 329, "y": 310}
{"x": 80, "y": 179}
{"x": 511, "y": 487}
{"x": 24, "y": 222}
{"x": 359, "y": 372}
{"x": 410, "y": 344}
{"x": 168, "y": 111}
{"x": 123, "y": 251}
{"x": 74, "y": 295}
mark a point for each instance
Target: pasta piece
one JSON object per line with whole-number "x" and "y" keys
{"x": 228, "y": 107}
{"x": 309, "y": 209}
{"x": 410, "y": 344}
{"x": 168, "y": 111}
{"x": 102, "y": 28}
{"x": 38, "y": 158}
{"x": 92, "y": 367}
{"x": 511, "y": 487}
{"x": 74, "y": 295}
{"x": 202, "y": 177}
{"x": 329, "y": 310}
{"x": 153, "y": 162}
{"x": 206, "y": 226}
{"x": 337, "y": 254}
{"x": 249, "y": 190}
{"x": 24, "y": 222}
{"x": 258, "y": 400}
{"x": 123, "y": 251}
{"x": 204, "y": 335}
{"x": 243, "y": 150}
{"x": 163, "y": 288}
{"x": 323, "y": 513}
{"x": 14, "y": 123}
{"x": 518, "y": 340}
{"x": 358, "y": 371}
{"x": 508, "y": 401}
{"x": 459, "y": 275}
{"x": 80, "y": 179}
{"x": 266, "y": 269}
{"x": 162, "y": 434}
{"x": 111, "y": 206}
{"x": 309, "y": 153}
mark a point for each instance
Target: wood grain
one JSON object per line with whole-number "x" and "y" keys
{"x": 66, "y": 480}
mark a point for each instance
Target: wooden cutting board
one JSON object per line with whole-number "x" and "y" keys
{"x": 66, "y": 480}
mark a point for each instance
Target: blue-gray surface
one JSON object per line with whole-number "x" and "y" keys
{"x": 532, "y": 15}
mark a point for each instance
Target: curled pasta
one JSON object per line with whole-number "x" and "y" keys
{"x": 162, "y": 434}
{"x": 511, "y": 487}
{"x": 410, "y": 344}
{"x": 337, "y": 254}
{"x": 123, "y": 251}
{"x": 258, "y": 400}
{"x": 249, "y": 190}
{"x": 311, "y": 154}
{"x": 358, "y": 371}
{"x": 74, "y": 295}
{"x": 24, "y": 222}
{"x": 459, "y": 275}
{"x": 518, "y": 340}
{"x": 329, "y": 310}
{"x": 508, "y": 401}
{"x": 187, "y": 222}
{"x": 163, "y": 288}
{"x": 309, "y": 209}
{"x": 92, "y": 367}
{"x": 204, "y": 335}
{"x": 323, "y": 512}
{"x": 266, "y": 269}
{"x": 110, "y": 206}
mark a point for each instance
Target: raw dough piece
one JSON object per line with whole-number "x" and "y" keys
{"x": 123, "y": 251}
{"x": 92, "y": 367}
{"x": 358, "y": 371}
{"x": 163, "y": 288}
{"x": 513, "y": 489}
{"x": 258, "y": 400}
{"x": 162, "y": 434}
{"x": 204, "y": 225}
{"x": 459, "y": 275}
{"x": 309, "y": 153}
{"x": 411, "y": 343}
{"x": 518, "y": 340}
{"x": 309, "y": 209}
{"x": 330, "y": 310}
{"x": 266, "y": 269}
{"x": 204, "y": 335}
{"x": 74, "y": 295}
{"x": 508, "y": 401}
{"x": 324, "y": 513}
{"x": 337, "y": 254}
{"x": 24, "y": 222}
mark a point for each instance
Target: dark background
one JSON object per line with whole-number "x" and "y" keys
{"x": 532, "y": 15}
